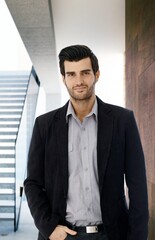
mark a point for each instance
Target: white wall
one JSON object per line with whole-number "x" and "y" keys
{"x": 100, "y": 25}
{"x": 13, "y": 55}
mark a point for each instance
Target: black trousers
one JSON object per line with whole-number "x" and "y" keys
{"x": 88, "y": 236}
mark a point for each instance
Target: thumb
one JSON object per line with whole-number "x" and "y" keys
{"x": 70, "y": 231}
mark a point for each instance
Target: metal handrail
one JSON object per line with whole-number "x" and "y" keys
{"x": 23, "y": 141}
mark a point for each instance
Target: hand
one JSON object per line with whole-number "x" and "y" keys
{"x": 61, "y": 232}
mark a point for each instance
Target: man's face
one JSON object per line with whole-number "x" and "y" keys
{"x": 80, "y": 79}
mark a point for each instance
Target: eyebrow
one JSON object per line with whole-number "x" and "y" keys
{"x": 69, "y": 72}
{"x": 84, "y": 70}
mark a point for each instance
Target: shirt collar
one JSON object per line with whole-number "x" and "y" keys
{"x": 70, "y": 111}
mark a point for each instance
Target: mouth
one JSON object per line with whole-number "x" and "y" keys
{"x": 80, "y": 88}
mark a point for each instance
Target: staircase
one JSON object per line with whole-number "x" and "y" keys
{"x": 13, "y": 88}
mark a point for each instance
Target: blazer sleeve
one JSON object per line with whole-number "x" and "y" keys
{"x": 35, "y": 192}
{"x": 135, "y": 175}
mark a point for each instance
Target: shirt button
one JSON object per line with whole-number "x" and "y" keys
{"x": 85, "y": 148}
{"x": 89, "y": 209}
{"x": 87, "y": 188}
{"x": 86, "y": 169}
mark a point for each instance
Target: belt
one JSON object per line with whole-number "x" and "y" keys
{"x": 87, "y": 229}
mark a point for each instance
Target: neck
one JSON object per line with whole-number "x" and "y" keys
{"x": 83, "y": 107}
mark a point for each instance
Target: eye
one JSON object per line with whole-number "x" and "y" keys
{"x": 70, "y": 74}
{"x": 86, "y": 72}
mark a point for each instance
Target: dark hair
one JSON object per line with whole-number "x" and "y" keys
{"x": 77, "y": 53}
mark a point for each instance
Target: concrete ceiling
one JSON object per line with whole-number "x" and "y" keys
{"x": 33, "y": 19}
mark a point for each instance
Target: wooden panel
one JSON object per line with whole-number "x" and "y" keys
{"x": 146, "y": 117}
{"x": 140, "y": 84}
{"x": 131, "y": 76}
{"x": 151, "y": 190}
{"x": 146, "y": 45}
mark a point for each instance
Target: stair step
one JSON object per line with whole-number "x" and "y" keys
{"x": 13, "y": 78}
{"x": 10, "y": 112}
{"x": 7, "y": 216}
{"x": 6, "y": 152}
{"x": 6, "y": 84}
{"x": 7, "y": 148}
{"x": 8, "y": 203}
{"x": 8, "y": 130}
{"x": 4, "y": 119}
{"x": 7, "y": 209}
{"x": 12, "y": 101}
{"x": 13, "y": 96}
{"x": 7, "y": 170}
{"x": 12, "y": 107}
{"x": 7, "y": 175}
{"x": 7, "y": 140}
{"x": 9, "y": 125}
{"x": 7, "y": 160}
{"x": 8, "y": 133}
{"x": 7, "y": 180}
{"x": 7, "y": 144}
{"x": 13, "y": 84}
{"x": 7, "y": 156}
{"x": 7, "y": 165}
{"x": 7, "y": 194}
{"x": 6, "y": 191}
{"x": 6, "y": 206}
{"x": 13, "y": 137}
{"x": 13, "y": 116}
{"x": 12, "y": 91}
{"x": 7, "y": 185}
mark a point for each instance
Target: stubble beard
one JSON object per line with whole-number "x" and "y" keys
{"x": 85, "y": 96}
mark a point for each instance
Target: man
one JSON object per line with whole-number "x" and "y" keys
{"x": 78, "y": 158}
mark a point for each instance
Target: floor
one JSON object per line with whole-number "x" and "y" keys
{"x": 26, "y": 229}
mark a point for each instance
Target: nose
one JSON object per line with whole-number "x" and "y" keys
{"x": 79, "y": 79}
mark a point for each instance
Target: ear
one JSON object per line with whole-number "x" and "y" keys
{"x": 97, "y": 75}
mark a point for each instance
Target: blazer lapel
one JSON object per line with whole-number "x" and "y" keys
{"x": 61, "y": 127}
{"x": 104, "y": 139}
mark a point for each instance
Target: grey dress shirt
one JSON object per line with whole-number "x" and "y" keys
{"x": 83, "y": 202}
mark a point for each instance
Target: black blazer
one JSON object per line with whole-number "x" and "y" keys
{"x": 119, "y": 156}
